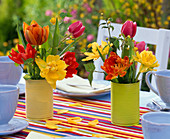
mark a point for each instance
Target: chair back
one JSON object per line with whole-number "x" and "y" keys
{"x": 158, "y": 37}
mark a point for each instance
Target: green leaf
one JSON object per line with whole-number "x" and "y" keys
{"x": 83, "y": 50}
{"x": 30, "y": 60}
{"x": 90, "y": 68}
{"x": 68, "y": 46}
{"x": 116, "y": 43}
{"x": 102, "y": 24}
{"x": 101, "y": 55}
{"x": 16, "y": 64}
{"x": 112, "y": 27}
{"x": 104, "y": 27}
{"x": 110, "y": 19}
{"x": 62, "y": 15}
{"x": 50, "y": 39}
{"x": 21, "y": 40}
{"x": 27, "y": 76}
{"x": 69, "y": 15}
{"x": 55, "y": 38}
{"x": 72, "y": 49}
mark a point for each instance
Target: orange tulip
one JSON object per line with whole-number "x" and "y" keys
{"x": 35, "y": 34}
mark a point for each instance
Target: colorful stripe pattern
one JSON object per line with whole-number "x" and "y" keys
{"x": 92, "y": 109}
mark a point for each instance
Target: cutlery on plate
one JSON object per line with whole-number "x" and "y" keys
{"x": 81, "y": 85}
{"x": 160, "y": 107}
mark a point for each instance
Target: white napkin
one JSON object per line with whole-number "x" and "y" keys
{"x": 76, "y": 80}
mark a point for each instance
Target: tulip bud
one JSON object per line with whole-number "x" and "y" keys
{"x": 76, "y": 29}
{"x": 140, "y": 46}
{"x": 129, "y": 28}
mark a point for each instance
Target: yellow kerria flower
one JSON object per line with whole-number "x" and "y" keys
{"x": 103, "y": 48}
{"x": 53, "y": 20}
{"x": 147, "y": 59}
{"x": 52, "y": 70}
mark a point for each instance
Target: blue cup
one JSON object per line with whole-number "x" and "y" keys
{"x": 9, "y": 73}
{"x": 8, "y": 103}
{"x": 156, "y": 125}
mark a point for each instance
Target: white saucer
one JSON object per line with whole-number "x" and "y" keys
{"x": 153, "y": 107}
{"x": 21, "y": 88}
{"x": 14, "y": 125}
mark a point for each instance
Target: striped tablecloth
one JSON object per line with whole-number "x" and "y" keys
{"x": 92, "y": 109}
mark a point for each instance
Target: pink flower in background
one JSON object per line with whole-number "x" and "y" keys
{"x": 66, "y": 19}
{"x": 89, "y": 9}
{"x": 63, "y": 11}
{"x": 88, "y": 21}
{"x": 86, "y": 6}
{"x": 118, "y": 20}
{"x": 48, "y": 12}
{"x": 90, "y": 38}
{"x": 140, "y": 46}
{"x": 129, "y": 28}
{"x": 74, "y": 13}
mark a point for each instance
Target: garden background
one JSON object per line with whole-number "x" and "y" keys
{"x": 147, "y": 13}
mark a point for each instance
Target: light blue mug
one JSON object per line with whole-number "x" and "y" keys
{"x": 156, "y": 125}
{"x": 9, "y": 73}
{"x": 162, "y": 79}
{"x": 8, "y": 102}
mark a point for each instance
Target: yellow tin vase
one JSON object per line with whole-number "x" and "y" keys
{"x": 39, "y": 100}
{"x": 125, "y": 104}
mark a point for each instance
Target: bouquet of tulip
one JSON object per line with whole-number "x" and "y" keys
{"x": 48, "y": 55}
{"x": 121, "y": 69}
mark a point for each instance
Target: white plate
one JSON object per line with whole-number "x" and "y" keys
{"x": 14, "y": 125}
{"x": 85, "y": 94}
{"x": 21, "y": 88}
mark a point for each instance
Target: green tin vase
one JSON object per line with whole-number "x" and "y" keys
{"x": 125, "y": 104}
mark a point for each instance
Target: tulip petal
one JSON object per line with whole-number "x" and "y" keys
{"x": 37, "y": 33}
{"x": 134, "y": 29}
{"x": 73, "y": 26}
{"x": 34, "y": 22}
{"x": 45, "y": 33}
{"x": 25, "y": 25}
{"x": 30, "y": 38}
{"x": 79, "y": 33}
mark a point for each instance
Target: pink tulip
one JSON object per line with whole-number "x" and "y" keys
{"x": 90, "y": 37}
{"x": 129, "y": 28}
{"x": 76, "y": 29}
{"x": 140, "y": 46}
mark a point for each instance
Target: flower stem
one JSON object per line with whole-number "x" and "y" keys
{"x": 137, "y": 76}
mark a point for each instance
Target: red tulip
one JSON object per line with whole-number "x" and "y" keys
{"x": 23, "y": 54}
{"x": 70, "y": 60}
{"x": 35, "y": 34}
{"x": 76, "y": 29}
{"x": 140, "y": 46}
{"x": 129, "y": 28}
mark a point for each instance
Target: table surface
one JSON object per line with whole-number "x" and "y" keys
{"x": 97, "y": 107}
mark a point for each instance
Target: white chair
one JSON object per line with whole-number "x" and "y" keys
{"x": 158, "y": 37}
